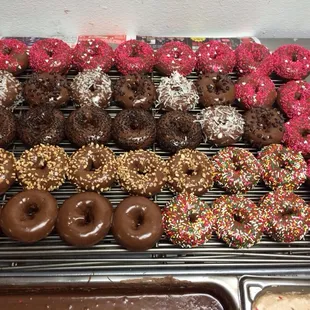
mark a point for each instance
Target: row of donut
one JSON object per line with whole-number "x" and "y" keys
{"x": 95, "y": 168}
{"x": 138, "y": 223}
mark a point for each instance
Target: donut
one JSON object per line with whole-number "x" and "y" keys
{"x": 141, "y": 173}
{"x": 42, "y": 167}
{"x": 297, "y": 134}
{"x": 221, "y": 125}
{"x": 137, "y": 223}
{"x": 92, "y": 168}
{"x": 10, "y": 90}
{"x": 84, "y": 219}
{"x": 175, "y": 56}
{"x": 178, "y": 130}
{"x": 292, "y": 62}
{"x": 88, "y": 124}
{"x": 91, "y": 54}
{"x": 29, "y": 216}
{"x": 287, "y": 216}
{"x": 308, "y": 173}
{"x": 255, "y": 91}
{"x": 294, "y": 98}
{"x": 236, "y": 169}
{"x": 187, "y": 221}
{"x": 282, "y": 167}
{"x": 13, "y": 56}
{"x": 215, "y": 56}
{"x": 263, "y": 126}
{"x": 135, "y": 91}
{"x": 134, "y": 129}
{"x": 42, "y": 124}
{"x": 190, "y": 171}
{"x": 253, "y": 57}
{"x": 42, "y": 88}
{"x": 7, "y": 170}
{"x": 177, "y": 93}
{"x": 50, "y": 55}
{"x": 7, "y": 127}
{"x": 92, "y": 87}
{"x": 134, "y": 56}
{"x": 240, "y": 223}
{"x": 215, "y": 89}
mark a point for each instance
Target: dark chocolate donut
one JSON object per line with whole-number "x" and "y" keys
{"x": 88, "y": 124}
{"x": 7, "y": 127}
{"x": 29, "y": 216}
{"x": 137, "y": 223}
{"x": 135, "y": 91}
{"x": 84, "y": 219}
{"x": 178, "y": 130}
{"x": 7, "y": 170}
{"x": 42, "y": 124}
{"x": 10, "y": 91}
{"x": 134, "y": 129}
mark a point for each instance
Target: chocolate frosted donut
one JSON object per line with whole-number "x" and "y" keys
{"x": 263, "y": 126}
{"x": 215, "y": 89}
{"x": 7, "y": 127}
{"x": 10, "y": 90}
{"x": 135, "y": 91}
{"x": 41, "y": 88}
{"x": 178, "y": 130}
{"x": 29, "y": 216}
{"x": 7, "y": 170}
{"x": 88, "y": 124}
{"x": 42, "y": 124}
{"x": 84, "y": 219}
{"x": 134, "y": 129}
{"x": 137, "y": 223}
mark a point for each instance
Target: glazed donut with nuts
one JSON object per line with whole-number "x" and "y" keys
{"x": 7, "y": 170}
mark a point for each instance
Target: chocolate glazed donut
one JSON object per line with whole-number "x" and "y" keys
{"x": 29, "y": 216}
{"x": 7, "y": 127}
{"x": 137, "y": 223}
{"x": 84, "y": 219}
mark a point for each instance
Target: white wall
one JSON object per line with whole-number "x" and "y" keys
{"x": 263, "y": 18}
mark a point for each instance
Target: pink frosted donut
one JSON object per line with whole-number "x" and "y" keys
{"x": 134, "y": 56}
{"x": 175, "y": 56}
{"x": 255, "y": 91}
{"x": 253, "y": 57}
{"x": 294, "y": 98}
{"x": 292, "y": 62}
{"x": 215, "y": 56}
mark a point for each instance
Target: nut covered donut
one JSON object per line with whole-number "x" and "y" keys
{"x": 141, "y": 172}
{"x": 187, "y": 221}
{"x": 7, "y": 127}
{"x": 190, "y": 171}
{"x": 29, "y": 216}
{"x": 84, "y": 219}
{"x": 10, "y": 90}
{"x": 282, "y": 167}
{"x": 175, "y": 56}
{"x": 92, "y": 168}
{"x": 240, "y": 223}
{"x": 237, "y": 170}
{"x": 137, "y": 223}
{"x": 7, "y": 170}
{"x": 308, "y": 173}
{"x": 43, "y": 167}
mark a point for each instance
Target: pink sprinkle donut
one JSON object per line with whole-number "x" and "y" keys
{"x": 175, "y": 56}
{"x": 294, "y": 98}
{"x": 134, "y": 56}
{"x": 297, "y": 134}
{"x": 13, "y": 56}
{"x": 292, "y": 62}
{"x": 253, "y": 57}
{"x": 215, "y": 56}
{"x": 91, "y": 54}
{"x": 255, "y": 91}
{"x": 50, "y": 55}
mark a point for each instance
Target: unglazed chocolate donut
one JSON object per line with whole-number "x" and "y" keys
{"x": 10, "y": 90}
{"x": 137, "y": 223}
{"x": 7, "y": 170}
{"x": 7, "y": 127}
{"x": 84, "y": 219}
{"x": 29, "y": 216}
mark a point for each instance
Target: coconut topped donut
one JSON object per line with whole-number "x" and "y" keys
{"x": 10, "y": 90}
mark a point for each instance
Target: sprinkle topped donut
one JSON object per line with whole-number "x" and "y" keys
{"x": 10, "y": 90}
{"x": 7, "y": 170}
{"x": 175, "y": 56}
{"x": 308, "y": 172}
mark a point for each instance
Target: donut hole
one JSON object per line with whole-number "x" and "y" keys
{"x": 6, "y": 50}
{"x": 288, "y": 213}
{"x": 190, "y": 172}
{"x": 30, "y": 211}
{"x": 176, "y": 54}
{"x": 41, "y": 163}
{"x": 294, "y": 57}
{"x": 134, "y": 51}
{"x": 92, "y": 165}
{"x": 297, "y": 96}
{"x": 50, "y": 53}
{"x": 134, "y": 125}
{"x": 237, "y": 218}
{"x": 139, "y": 220}
{"x": 305, "y": 133}
{"x": 87, "y": 215}
{"x": 193, "y": 218}
{"x": 140, "y": 169}
{"x": 92, "y": 88}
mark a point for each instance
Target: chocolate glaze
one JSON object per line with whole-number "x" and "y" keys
{"x": 7, "y": 127}
{"x": 84, "y": 219}
{"x": 7, "y": 170}
{"x": 137, "y": 223}
{"x": 29, "y": 216}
